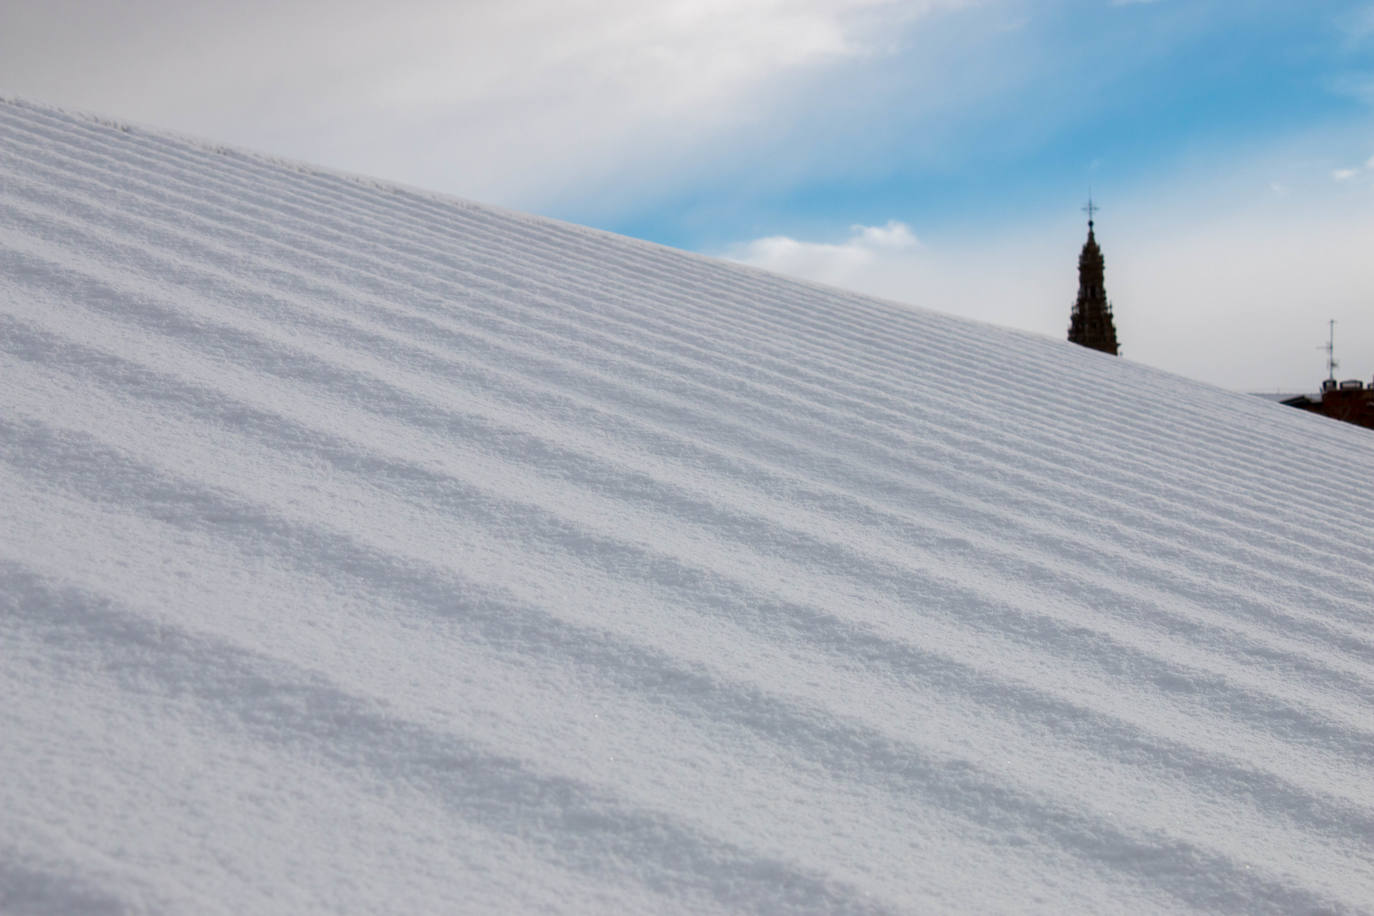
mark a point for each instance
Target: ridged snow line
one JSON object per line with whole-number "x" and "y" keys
{"x": 371, "y": 550}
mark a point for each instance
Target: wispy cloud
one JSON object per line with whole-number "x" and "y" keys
{"x": 1358, "y": 23}
{"x": 1357, "y": 85}
{"x": 1346, "y": 174}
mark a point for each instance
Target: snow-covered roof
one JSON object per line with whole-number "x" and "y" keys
{"x": 370, "y": 550}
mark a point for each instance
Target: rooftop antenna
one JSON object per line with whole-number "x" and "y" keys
{"x": 1330, "y": 348}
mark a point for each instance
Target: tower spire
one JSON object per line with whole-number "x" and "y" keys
{"x": 1090, "y": 322}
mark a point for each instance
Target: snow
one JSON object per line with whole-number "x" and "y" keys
{"x": 369, "y": 550}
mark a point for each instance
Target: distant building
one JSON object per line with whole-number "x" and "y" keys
{"x": 1350, "y": 401}
{"x": 1090, "y": 323}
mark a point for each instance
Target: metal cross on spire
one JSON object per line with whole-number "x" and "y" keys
{"x": 1091, "y": 208}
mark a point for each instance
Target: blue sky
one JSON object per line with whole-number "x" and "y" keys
{"x": 935, "y": 152}
{"x": 1021, "y": 107}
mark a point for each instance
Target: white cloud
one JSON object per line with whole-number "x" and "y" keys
{"x": 869, "y": 251}
{"x": 502, "y": 101}
{"x": 895, "y": 236}
{"x": 1344, "y": 174}
{"x": 1369, "y": 163}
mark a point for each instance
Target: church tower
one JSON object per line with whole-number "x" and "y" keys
{"x": 1090, "y": 323}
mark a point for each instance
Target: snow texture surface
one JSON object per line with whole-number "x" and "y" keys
{"x": 366, "y": 550}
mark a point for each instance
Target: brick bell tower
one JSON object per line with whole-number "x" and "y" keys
{"x": 1090, "y": 322}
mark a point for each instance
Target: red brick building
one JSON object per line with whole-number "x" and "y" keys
{"x": 1351, "y": 401}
